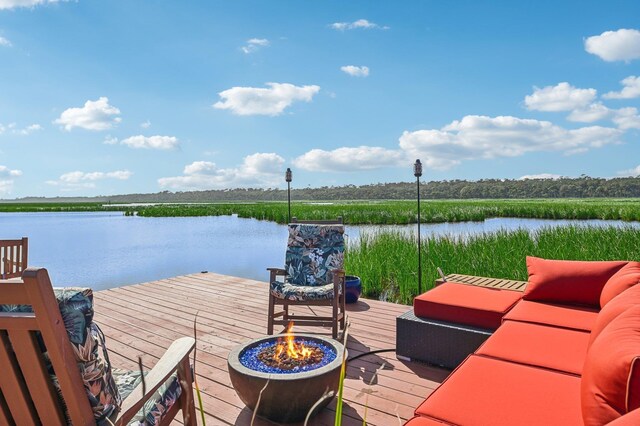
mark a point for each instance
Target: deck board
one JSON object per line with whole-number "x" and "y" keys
{"x": 143, "y": 319}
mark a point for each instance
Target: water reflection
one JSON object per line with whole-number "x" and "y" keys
{"x": 107, "y": 249}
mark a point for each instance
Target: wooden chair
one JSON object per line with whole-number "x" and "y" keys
{"x": 313, "y": 276}
{"x": 27, "y": 392}
{"x": 337, "y": 221}
{"x": 13, "y": 257}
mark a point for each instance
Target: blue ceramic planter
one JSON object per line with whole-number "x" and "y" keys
{"x": 353, "y": 288}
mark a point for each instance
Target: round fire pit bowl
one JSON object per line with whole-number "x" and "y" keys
{"x": 289, "y": 396}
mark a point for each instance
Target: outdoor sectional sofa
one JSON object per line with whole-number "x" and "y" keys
{"x": 566, "y": 353}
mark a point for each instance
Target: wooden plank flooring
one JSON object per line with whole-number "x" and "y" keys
{"x": 486, "y": 282}
{"x": 143, "y": 319}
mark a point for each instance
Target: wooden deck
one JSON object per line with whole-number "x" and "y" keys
{"x": 143, "y": 319}
{"x": 486, "y": 282}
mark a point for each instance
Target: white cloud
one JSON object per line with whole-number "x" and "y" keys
{"x": 5, "y": 42}
{"x": 359, "y": 24}
{"x": 355, "y": 71}
{"x": 257, "y": 170}
{"x": 635, "y": 172}
{"x": 80, "y": 180}
{"x": 594, "y": 112}
{"x": 621, "y": 45}
{"x": 349, "y": 159}
{"x": 94, "y": 115}
{"x": 110, "y": 140}
{"x": 150, "y": 142}
{"x": 13, "y": 4}
{"x": 27, "y": 130}
{"x": 630, "y": 90}
{"x": 627, "y": 118}
{"x": 541, "y": 176}
{"x": 482, "y": 137}
{"x": 6, "y": 172}
{"x": 561, "y": 97}
{"x": 6, "y": 179}
{"x": 146, "y": 124}
{"x": 254, "y": 44}
{"x": 260, "y": 101}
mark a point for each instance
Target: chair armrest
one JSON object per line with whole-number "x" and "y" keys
{"x": 274, "y": 272}
{"x": 177, "y": 353}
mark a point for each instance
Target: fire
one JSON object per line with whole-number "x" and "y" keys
{"x": 293, "y": 350}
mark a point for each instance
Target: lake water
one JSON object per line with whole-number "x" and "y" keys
{"x": 107, "y": 249}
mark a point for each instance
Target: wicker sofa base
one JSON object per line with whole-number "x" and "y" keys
{"x": 435, "y": 342}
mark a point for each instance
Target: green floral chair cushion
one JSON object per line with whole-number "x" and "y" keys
{"x": 313, "y": 252}
{"x": 155, "y": 409}
{"x": 300, "y": 293}
{"x": 76, "y": 309}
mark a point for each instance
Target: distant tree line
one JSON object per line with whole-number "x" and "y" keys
{"x": 582, "y": 187}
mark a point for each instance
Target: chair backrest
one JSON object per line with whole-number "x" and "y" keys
{"x": 337, "y": 221}
{"x": 313, "y": 252}
{"x": 13, "y": 257}
{"x": 27, "y": 392}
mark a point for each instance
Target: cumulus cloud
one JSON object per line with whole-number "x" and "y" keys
{"x": 6, "y": 179}
{"x": 621, "y": 45}
{"x": 627, "y": 118}
{"x": 355, "y": 71}
{"x": 482, "y": 137}
{"x": 27, "y": 130}
{"x": 5, "y": 42}
{"x": 594, "y": 112}
{"x": 13, "y": 4}
{"x": 254, "y": 44}
{"x": 630, "y": 90}
{"x": 359, "y": 24}
{"x": 6, "y": 172}
{"x": 149, "y": 142}
{"x": 635, "y": 172}
{"x": 146, "y": 124}
{"x": 561, "y": 97}
{"x": 257, "y": 170}
{"x": 94, "y": 115}
{"x": 349, "y": 159}
{"x": 260, "y": 101}
{"x": 80, "y": 180}
{"x": 541, "y": 176}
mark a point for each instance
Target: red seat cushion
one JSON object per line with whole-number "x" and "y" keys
{"x": 466, "y": 304}
{"x": 576, "y": 318}
{"x": 487, "y": 391}
{"x": 568, "y": 281}
{"x": 611, "y": 375}
{"x": 425, "y": 421}
{"x": 626, "y": 277}
{"x": 619, "y": 304}
{"x": 538, "y": 345}
{"x": 630, "y": 419}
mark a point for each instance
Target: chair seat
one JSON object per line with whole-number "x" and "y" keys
{"x": 157, "y": 406}
{"x": 288, "y": 291}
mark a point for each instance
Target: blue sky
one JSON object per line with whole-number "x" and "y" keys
{"x": 111, "y": 97}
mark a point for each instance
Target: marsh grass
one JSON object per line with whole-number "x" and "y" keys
{"x": 387, "y": 262}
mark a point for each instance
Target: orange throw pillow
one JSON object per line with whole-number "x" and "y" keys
{"x": 626, "y": 277}
{"x": 610, "y": 385}
{"x": 568, "y": 281}
{"x": 625, "y": 300}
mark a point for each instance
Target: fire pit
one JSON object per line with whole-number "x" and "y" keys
{"x": 297, "y": 371}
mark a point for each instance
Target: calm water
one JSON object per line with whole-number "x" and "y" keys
{"x": 103, "y": 250}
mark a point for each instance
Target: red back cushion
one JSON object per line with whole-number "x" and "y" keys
{"x": 568, "y": 281}
{"x": 625, "y": 300}
{"x": 627, "y": 276}
{"x": 610, "y": 385}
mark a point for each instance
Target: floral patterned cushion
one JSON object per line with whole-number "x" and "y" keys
{"x": 157, "y": 406}
{"x": 76, "y": 309}
{"x": 313, "y": 252}
{"x": 290, "y": 291}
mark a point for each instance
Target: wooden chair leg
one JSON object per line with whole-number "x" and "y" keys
{"x": 187, "y": 403}
{"x": 271, "y": 313}
{"x": 335, "y": 318}
{"x": 286, "y": 311}
{"x": 343, "y": 320}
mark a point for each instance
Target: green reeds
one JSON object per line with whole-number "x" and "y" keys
{"x": 387, "y": 262}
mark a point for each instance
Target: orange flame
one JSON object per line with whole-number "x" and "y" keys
{"x": 293, "y": 350}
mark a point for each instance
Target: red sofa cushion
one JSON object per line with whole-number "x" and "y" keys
{"x": 493, "y": 392}
{"x": 568, "y": 281}
{"x": 632, "y": 418}
{"x": 625, "y": 300}
{"x": 611, "y": 377}
{"x": 425, "y": 421}
{"x": 576, "y": 318}
{"x": 466, "y": 304}
{"x": 538, "y": 345}
{"x": 626, "y": 277}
